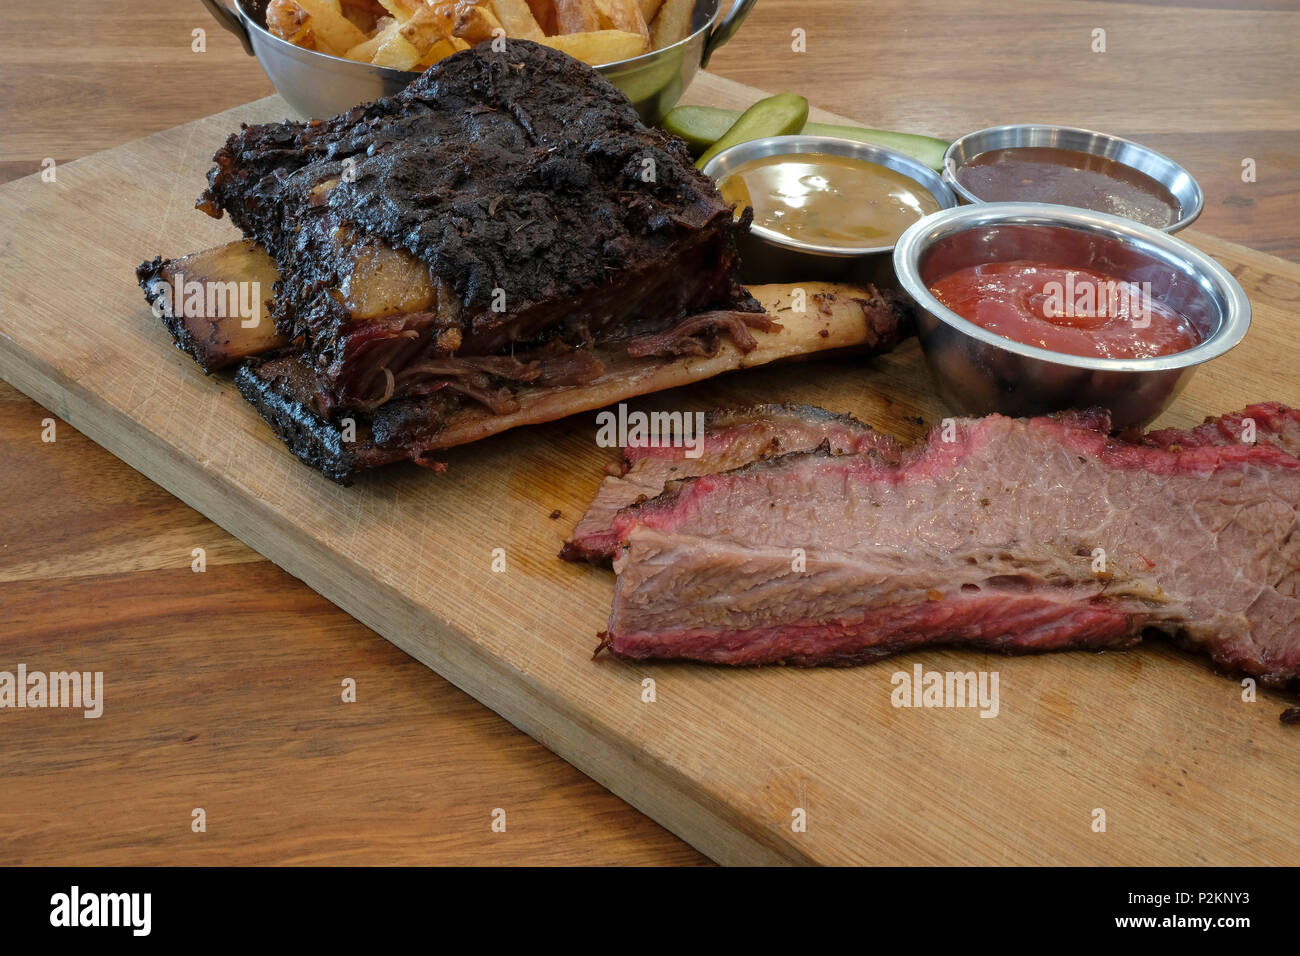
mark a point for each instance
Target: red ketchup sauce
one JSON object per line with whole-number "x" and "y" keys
{"x": 1064, "y": 309}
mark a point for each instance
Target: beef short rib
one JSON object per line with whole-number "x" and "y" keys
{"x": 282, "y": 387}
{"x": 1013, "y": 535}
{"x": 507, "y": 199}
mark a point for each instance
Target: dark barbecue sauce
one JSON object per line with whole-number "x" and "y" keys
{"x": 1069, "y": 178}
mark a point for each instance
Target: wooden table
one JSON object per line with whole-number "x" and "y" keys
{"x": 226, "y": 694}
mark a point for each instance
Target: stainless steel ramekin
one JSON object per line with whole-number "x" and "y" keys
{"x": 978, "y": 371}
{"x": 1159, "y": 167}
{"x": 770, "y": 256}
{"x": 319, "y": 85}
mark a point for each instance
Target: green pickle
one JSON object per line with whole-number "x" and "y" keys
{"x": 927, "y": 149}
{"x": 704, "y": 127}
{"x": 779, "y": 115}
{"x": 700, "y": 126}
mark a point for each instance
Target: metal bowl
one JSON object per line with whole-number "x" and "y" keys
{"x": 1159, "y": 167}
{"x": 319, "y": 85}
{"x": 770, "y": 256}
{"x": 978, "y": 371}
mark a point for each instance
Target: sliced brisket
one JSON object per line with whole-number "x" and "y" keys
{"x": 994, "y": 540}
{"x": 1271, "y": 424}
{"x": 733, "y": 437}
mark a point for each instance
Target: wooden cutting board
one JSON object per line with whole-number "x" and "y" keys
{"x": 1184, "y": 769}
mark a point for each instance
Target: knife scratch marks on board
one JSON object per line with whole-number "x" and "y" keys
{"x": 134, "y": 406}
{"x": 182, "y": 164}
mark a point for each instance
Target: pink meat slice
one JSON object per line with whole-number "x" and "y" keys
{"x": 1271, "y": 424}
{"x": 992, "y": 540}
{"x": 732, "y": 438}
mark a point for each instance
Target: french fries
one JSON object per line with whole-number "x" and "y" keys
{"x": 476, "y": 23}
{"x": 402, "y": 10}
{"x": 415, "y": 34}
{"x": 599, "y": 46}
{"x": 428, "y": 26}
{"x": 517, "y": 19}
{"x": 395, "y": 51}
{"x": 291, "y": 22}
{"x": 673, "y": 23}
{"x": 363, "y": 14}
{"x": 544, "y": 14}
{"x": 364, "y": 52}
{"x": 622, "y": 15}
{"x": 649, "y": 8}
{"x": 333, "y": 30}
{"x": 576, "y": 16}
{"x": 441, "y": 50}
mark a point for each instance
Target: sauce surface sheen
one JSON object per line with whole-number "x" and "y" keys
{"x": 1070, "y": 178}
{"x": 1064, "y": 309}
{"x": 828, "y": 200}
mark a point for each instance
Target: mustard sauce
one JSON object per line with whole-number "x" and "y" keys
{"x": 828, "y": 200}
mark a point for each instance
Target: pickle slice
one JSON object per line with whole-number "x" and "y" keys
{"x": 700, "y": 126}
{"x": 927, "y": 149}
{"x": 703, "y": 126}
{"x": 779, "y": 115}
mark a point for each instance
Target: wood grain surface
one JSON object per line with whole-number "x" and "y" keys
{"x": 224, "y": 687}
